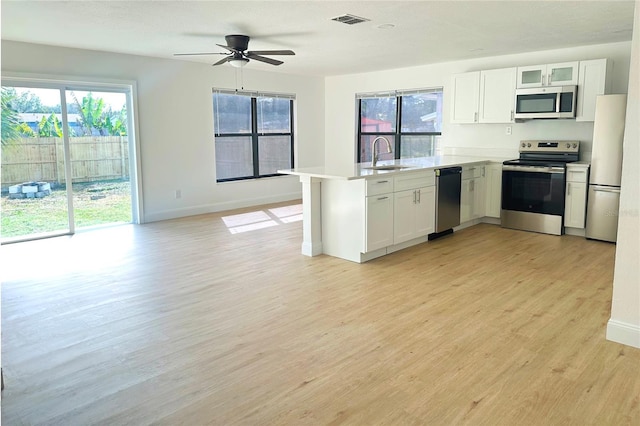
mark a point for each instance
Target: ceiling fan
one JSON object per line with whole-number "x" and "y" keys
{"x": 239, "y": 56}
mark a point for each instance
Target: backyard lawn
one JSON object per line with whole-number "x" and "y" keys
{"x": 94, "y": 203}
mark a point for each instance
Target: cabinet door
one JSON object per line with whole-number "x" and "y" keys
{"x": 531, "y": 76}
{"x": 425, "y": 211}
{"x": 404, "y": 215}
{"x": 575, "y": 204}
{"x": 466, "y": 200}
{"x": 478, "y": 208}
{"x": 562, "y": 74}
{"x": 592, "y": 81}
{"x": 464, "y": 98}
{"x": 379, "y": 219}
{"x": 497, "y": 95}
{"x": 493, "y": 190}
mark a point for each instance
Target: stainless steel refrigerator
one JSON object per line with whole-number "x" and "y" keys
{"x": 606, "y": 168}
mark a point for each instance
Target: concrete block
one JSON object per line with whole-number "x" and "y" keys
{"x": 28, "y": 189}
{"x": 15, "y": 189}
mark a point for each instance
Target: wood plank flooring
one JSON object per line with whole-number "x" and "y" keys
{"x": 185, "y": 322}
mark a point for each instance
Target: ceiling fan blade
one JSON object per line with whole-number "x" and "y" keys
{"x": 230, "y": 49}
{"x": 271, "y": 52}
{"x": 222, "y": 61}
{"x": 197, "y": 54}
{"x": 252, "y": 55}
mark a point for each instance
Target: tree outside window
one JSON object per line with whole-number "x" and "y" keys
{"x": 411, "y": 121}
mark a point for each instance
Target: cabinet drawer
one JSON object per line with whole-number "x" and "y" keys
{"x": 413, "y": 180}
{"x": 379, "y": 186}
{"x": 472, "y": 172}
{"x": 577, "y": 175}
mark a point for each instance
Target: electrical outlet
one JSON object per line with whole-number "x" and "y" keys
{"x": 178, "y": 193}
{"x": 508, "y": 130}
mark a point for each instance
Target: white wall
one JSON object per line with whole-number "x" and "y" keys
{"x": 175, "y": 121}
{"x": 624, "y": 325}
{"x": 482, "y": 139}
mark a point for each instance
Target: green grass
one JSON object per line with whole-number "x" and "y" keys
{"x": 95, "y": 203}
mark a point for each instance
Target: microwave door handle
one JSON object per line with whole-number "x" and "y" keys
{"x": 558, "y": 101}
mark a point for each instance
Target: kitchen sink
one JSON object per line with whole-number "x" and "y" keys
{"x": 387, "y": 167}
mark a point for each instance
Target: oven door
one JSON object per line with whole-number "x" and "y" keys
{"x": 533, "y": 189}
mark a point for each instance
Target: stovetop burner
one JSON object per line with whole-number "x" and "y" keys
{"x": 546, "y": 153}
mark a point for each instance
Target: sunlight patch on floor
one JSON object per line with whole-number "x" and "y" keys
{"x": 260, "y": 219}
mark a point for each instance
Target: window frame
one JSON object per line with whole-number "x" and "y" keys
{"x": 255, "y": 134}
{"x": 397, "y": 135}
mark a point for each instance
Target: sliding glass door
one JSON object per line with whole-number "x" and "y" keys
{"x": 66, "y": 160}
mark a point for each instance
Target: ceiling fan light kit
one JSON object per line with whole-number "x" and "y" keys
{"x": 239, "y": 56}
{"x": 238, "y": 63}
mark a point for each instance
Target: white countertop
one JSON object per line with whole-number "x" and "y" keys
{"x": 361, "y": 170}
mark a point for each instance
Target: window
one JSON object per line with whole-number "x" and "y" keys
{"x": 411, "y": 120}
{"x": 253, "y": 134}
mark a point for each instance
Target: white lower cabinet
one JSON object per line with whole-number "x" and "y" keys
{"x": 493, "y": 190}
{"x": 576, "y": 196}
{"x": 414, "y": 205}
{"x": 379, "y": 221}
{"x": 472, "y": 194}
{"x": 413, "y": 213}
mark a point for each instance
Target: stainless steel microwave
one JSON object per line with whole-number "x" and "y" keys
{"x": 546, "y": 102}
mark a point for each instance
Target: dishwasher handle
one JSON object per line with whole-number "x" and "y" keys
{"x": 448, "y": 171}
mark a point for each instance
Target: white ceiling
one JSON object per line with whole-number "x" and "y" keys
{"x": 425, "y": 31}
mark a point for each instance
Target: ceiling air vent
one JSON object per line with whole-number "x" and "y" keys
{"x": 349, "y": 19}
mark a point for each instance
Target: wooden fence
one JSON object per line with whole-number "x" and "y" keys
{"x": 93, "y": 158}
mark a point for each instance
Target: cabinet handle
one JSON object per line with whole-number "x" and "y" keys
{"x": 472, "y": 185}
{"x": 419, "y": 196}
{"x": 382, "y": 198}
{"x": 548, "y": 79}
{"x": 475, "y": 117}
{"x": 569, "y": 189}
{"x": 511, "y": 115}
{"x": 414, "y": 197}
{"x": 382, "y": 181}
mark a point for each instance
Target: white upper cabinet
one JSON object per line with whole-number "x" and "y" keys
{"x": 497, "y": 95}
{"x": 592, "y": 81}
{"x": 561, "y": 74}
{"x": 483, "y": 96}
{"x": 464, "y": 97}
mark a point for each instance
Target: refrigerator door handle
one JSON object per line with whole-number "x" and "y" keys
{"x": 604, "y": 189}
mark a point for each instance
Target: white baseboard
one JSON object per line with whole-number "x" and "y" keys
{"x": 622, "y": 332}
{"x": 311, "y": 250}
{"x": 578, "y": 232}
{"x": 218, "y": 207}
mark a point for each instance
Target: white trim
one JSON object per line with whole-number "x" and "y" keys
{"x": 622, "y": 332}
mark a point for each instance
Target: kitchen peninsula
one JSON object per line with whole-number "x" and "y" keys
{"x": 360, "y": 212}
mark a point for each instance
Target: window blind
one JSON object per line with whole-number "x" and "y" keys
{"x": 254, "y": 94}
{"x": 396, "y": 93}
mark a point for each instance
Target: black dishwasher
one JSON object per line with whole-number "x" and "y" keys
{"x": 448, "y": 183}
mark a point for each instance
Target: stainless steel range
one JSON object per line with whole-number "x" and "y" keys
{"x": 533, "y": 186}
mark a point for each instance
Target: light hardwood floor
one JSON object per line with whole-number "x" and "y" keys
{"x": 184, "y": 322}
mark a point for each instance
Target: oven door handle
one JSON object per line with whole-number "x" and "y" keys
{"x": 534, "y": 169}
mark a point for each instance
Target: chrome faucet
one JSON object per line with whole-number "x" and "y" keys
{"x": 374, "y": 153}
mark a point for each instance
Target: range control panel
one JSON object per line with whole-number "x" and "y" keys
{"x": 549, "y": 146}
